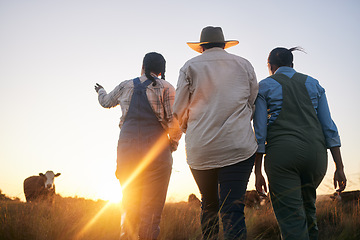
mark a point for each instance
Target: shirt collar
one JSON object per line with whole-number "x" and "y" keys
{"x": 288, "y": 71}
{"x": 214, "y": 49}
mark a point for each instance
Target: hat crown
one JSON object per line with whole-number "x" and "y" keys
{"x": 212, "y": 35}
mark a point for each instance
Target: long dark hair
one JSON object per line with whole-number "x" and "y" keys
{"x": 154, "y": 62}
{"x": 282, "y": 56}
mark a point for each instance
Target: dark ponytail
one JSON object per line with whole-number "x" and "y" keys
{"x": 282, "y": 56}
{"x": 154, "y": 62}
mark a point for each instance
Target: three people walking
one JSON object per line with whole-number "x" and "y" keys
{"x": 214, "y": 105}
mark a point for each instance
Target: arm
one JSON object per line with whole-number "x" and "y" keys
{"x": 260, "y": 183}
{"x": 260, "y": 121}
{"x": 332, "y": 140}
{"x": 109, "y": 100}
{"x": 339, "y": 175}
{"x": 260, "y": 127}
{"x": 174, "y": 130}
{"x": 329, "y": 128}
{"x": 254, "y": 87}
{"x": 182, "y": 98}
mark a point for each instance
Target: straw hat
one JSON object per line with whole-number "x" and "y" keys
{"x": 211, "y": 35}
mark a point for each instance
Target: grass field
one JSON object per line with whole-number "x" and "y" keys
{"x": 80, "y": 219}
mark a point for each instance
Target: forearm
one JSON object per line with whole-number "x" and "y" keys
{"x": 336, "y": 155}
{"x": 111, "y": 99}
{"x": 329, "y": 128}
{"x": 107, "y": 100}
{"x": 260, "y": 122}
{"x": 181, "y": 104}
{"x": 258, "y": 163}
{"x": 174, "y": 131}
{"x": 254, "y": 89}
{"x": 339, "y": 175}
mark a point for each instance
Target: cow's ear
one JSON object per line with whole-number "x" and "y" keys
{"x": 58, "y": 174}
{"x": 40, "y": 174}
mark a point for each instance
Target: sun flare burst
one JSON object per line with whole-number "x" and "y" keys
{"x": 115, "y": 196}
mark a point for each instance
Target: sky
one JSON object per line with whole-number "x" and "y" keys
{"x": 53, "y": 52}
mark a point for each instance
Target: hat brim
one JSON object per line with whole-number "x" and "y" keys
{"x": 196, "y": 46}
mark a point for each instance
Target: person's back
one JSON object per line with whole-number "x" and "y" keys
{"x": 293, "y": 119}
{"x": 147, "y": 123}
{"x": 223, "y": 88}
{"x": 214, "y": 103}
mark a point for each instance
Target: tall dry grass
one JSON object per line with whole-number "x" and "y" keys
{"x": 80, "y": 219}
{"x": 65, "y": 219}
{"x": 338, "y": 221}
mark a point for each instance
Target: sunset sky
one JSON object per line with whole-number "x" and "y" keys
{"x": 53, "y": 52}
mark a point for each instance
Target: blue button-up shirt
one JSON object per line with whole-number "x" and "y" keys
{"x": 268, "y": 106}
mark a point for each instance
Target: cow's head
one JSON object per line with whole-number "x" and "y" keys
{"x": 49, "y": 179}
{"x": 335, "y": 196}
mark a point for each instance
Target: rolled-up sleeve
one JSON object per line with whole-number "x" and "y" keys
{"x": 260, "y": 121}
{"x": 329, "y": 128}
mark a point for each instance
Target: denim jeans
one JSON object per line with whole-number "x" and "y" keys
{"x": 223, "y": 190}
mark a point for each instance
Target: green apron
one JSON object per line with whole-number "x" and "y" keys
{"x": 296, "y": 160}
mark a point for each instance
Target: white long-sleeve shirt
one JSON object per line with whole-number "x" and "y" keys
{"x": 214, "y": 104}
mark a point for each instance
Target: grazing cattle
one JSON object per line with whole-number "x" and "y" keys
{"x": 253, "y": 199}
{"x": 40, "y": 187}
{"x": 346, "y": 197}
{"x": 193, "y": 200}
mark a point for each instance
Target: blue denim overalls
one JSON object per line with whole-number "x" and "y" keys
{"x": 144, "y": 194}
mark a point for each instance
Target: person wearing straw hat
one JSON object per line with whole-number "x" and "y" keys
{"x": 214, "y": 104}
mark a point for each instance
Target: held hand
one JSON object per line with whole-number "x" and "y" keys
{"x": 98, "y": 87}
{"x": 173, "y": 145}
{"x": 339, "y": 180}
{"x": 260, "y": 184}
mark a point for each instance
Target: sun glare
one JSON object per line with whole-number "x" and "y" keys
{"x": 153, "y": 153}
{"x": 112, "y": 196}
{"x": 113, "y": 193}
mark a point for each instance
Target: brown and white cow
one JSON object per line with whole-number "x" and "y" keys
{"x": 193, "y": 200}
{"x": 346, "y": 197}
{"x": 40, "y": 187}
{"x": 253, "y": 199}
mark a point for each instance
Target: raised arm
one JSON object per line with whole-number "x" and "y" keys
{"x": 109, "y": 100}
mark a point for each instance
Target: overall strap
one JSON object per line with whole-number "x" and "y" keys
{"x": 137, "y": 83}
{"x": 297, "y": 116}
{"x": 146, "y": 83}
{"x": 282, "y": 78}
